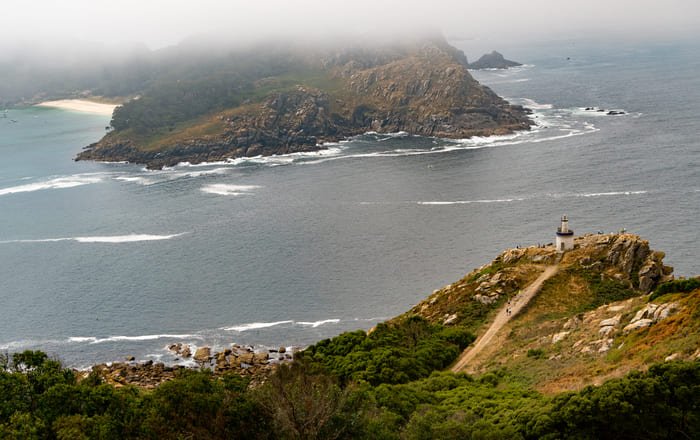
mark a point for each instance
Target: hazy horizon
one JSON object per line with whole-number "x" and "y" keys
{"x": 481, "y": 25}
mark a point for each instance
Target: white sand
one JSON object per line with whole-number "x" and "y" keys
{"x": 81, "y": 105}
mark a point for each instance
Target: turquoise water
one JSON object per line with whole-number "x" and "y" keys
{"x": 100, "y": 261}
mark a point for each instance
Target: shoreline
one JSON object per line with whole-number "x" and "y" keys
{"x": 81, "y": 105}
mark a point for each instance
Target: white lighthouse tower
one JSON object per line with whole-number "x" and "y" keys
{"x": 565, "y": 236}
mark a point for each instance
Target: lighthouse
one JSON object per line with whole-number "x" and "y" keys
{"x": 565, "y": 236}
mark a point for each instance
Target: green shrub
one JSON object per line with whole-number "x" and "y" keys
{"x": 396, "y": 352}
{"x": 675, "y": 286}
{"x": 536, "y": 353}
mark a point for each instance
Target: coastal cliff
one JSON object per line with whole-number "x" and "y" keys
{"x": 421, "y": 87}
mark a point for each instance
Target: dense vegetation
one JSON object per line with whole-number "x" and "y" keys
{"x": 676, "y": 286}
{"x": 397, "y": 352}
{"x": 339, "y": 390}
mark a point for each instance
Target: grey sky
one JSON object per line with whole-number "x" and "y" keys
{"x": 160, "y": 23}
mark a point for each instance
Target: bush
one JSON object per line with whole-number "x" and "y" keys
{"x": 397, "y": 352}
{"x": 536, "y": 353}
{"x": 675, "y": 286}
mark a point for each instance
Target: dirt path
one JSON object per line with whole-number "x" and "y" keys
{"x": 516, "y": 304}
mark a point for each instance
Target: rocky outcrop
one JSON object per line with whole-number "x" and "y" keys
{"x": 493, "y": 60}
{"x": 245, "y": 361}
{"x": 633, "y": 257}
{"x": 651, "y": 314}
{"x": 423, "y": 89}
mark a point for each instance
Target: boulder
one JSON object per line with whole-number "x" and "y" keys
{"x": 203, "y": 354}
{"x": 615, "y": 320}
{"x": 605, "y": 345}
{"x": 261, "y": 358}
{"x": 646, "y": 312}
{"x": 665, "y": 310}
{"x": 450, "y": 319}
{"x": 606, "y": 330}
{"x": 642, "y": 323}
{"x": 672, "y": 357}
{"x": 247, "y": 358}
{"x": 559, "y": 336}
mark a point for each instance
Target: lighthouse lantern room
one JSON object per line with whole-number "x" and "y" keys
{"x": 565, "y": 236}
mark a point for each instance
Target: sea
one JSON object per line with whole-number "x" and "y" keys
{"x": 99, "y": 261}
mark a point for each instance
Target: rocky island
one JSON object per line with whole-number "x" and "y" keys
{"x": 292, "y": 100}
{"x": 493, "y": 60}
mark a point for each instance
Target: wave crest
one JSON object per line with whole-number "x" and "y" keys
{"x": 114, "y": 239}
{"x": 224, "y": 189}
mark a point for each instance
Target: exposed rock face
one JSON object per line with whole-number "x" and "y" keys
{"x": 493, "y": 60}
{"x": 625, "y": 258}
{"x": 424, "y": 89}
{"x": 632, "y": 256}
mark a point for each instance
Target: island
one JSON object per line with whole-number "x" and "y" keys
{"x": 291, "y": 99}
{"x": 493, "y": 60}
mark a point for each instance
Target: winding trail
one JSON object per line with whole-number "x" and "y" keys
{"x": 516, "y": 304}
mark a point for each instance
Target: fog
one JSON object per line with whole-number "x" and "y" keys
{"x": 484, "y": 23}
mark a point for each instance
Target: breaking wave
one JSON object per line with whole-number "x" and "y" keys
{"x": 224, "y": 189}
{"x": 254, "y": 326}
{"x": 56, "y": 183}
{"x": 319, "y": 323}
{"x": 96, "y": 340}
{"x": 467, "y": 202}
{"x": 259, "y": 325}
{"x": 116, "y": 239}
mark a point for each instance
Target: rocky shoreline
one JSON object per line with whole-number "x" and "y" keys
{"x": 246, "y": 361}
{"x": 423, "y": 89}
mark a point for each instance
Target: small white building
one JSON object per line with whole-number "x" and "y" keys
{"x": 565, "y": 236}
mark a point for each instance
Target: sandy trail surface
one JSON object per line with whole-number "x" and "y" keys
{"x": 507, "y": 312}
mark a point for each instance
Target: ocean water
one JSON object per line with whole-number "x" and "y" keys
{"x": 99, "y": 261}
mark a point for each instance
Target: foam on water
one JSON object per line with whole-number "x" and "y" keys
{"x": 517, "y": 199}
{"x": 532, "y": 104}
{"x": 467, "y": 202}
{"x": 612, "y": 193}
{"x": 224, "y": 189}
{"x": 56, "y": 183}
{"x": 115, "y": 239}
{"x": 97, "y": 340}
{"x": 135, "y": 179}
{"x": 254, "y": 326}
{"x": 319, "y": 323}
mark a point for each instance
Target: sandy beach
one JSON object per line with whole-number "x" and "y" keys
{"x": 81, "y": 105}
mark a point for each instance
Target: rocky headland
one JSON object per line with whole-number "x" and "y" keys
{"x": 600, "y": 315}
{"x": 493, "y": 60}
{"x": 421, "y": 87}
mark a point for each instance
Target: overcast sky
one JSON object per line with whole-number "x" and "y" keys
{"x": 160, "y": 23}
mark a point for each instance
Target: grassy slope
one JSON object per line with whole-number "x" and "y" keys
{"x": 570, "y": 302}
